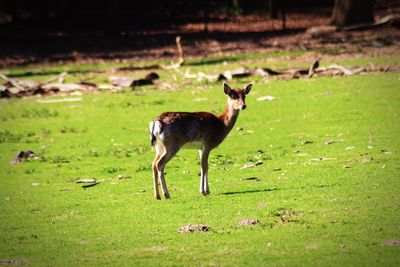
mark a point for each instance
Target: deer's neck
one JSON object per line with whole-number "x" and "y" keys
{"x": 229, "y": 117}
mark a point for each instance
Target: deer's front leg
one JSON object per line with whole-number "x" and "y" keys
{"x": 204, "y": 189}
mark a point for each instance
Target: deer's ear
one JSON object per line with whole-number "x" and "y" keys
{"x": 247, "y": 88}
{"x": 227, "y": 88}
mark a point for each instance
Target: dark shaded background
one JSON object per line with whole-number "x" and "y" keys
{"x": 141, "y": 16}
{"x": 31, "y": 31}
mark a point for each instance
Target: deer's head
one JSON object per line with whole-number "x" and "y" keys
{"x": 236, "y": 97}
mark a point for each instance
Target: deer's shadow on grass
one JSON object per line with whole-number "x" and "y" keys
{"x": 249, "y": 191}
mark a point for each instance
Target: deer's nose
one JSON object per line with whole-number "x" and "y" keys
{"x": 244, "y": 106}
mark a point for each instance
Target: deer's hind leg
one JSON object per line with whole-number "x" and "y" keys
{"x": 159, "y": 152}
{"x": 170, "y": 152}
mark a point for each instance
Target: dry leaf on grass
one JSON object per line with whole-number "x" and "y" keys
{"x": 322, "y": 158}
{"x": 250, "y": 179}
{"x": 366, "y": 160}
{"x": 391, "y": 242}
{"x": 121, "y": 177}
{"x": 265, "y": 98}
{"x": 194, "y": 228}
{"x": 249, "y": 222}
{"x": 85, "y": 181}
{"x": 251, "y": 165}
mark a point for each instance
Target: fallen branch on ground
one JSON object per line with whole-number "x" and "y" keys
{"x": 392, "y": 20}
{"x": 181, "y": 60}
{"x": 313, "y": 71}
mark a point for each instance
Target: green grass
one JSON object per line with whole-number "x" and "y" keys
{"x": 335, "y": 212}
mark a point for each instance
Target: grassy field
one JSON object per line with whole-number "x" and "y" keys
{"x": 327, "y": 194}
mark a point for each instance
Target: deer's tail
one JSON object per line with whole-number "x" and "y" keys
{"x": 154, "y": 130}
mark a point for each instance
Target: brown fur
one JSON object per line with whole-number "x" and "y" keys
{"x": 190, "y": 127}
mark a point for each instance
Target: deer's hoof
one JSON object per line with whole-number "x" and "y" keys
{"x": 158, "y": 197}
{"x": 167, "y": 196}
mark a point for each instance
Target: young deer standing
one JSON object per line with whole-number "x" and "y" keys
{"x": 204, "y": 131}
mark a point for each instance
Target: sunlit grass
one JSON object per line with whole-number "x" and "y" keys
{"x": 327, "y": 192}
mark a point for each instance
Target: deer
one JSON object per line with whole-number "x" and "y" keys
{"x": 204, "y": 131}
